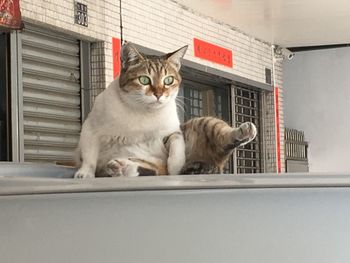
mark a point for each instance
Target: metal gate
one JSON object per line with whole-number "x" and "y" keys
{"x": 247, "y": 108}
{"x": 296, "y": 151}
{"x": 51, "y": 95}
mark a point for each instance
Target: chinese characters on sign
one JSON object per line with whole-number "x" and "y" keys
{"x": 212, "y": 53}
{"x": 10, "y": 14}
{"x": 80, "y": 14}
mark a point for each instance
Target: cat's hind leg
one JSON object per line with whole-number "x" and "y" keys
{"x": 210, "y": 142}
{"x": 119, "y": 167}
{"x": 130, "y": 167}
{"x": 242, "y": 135}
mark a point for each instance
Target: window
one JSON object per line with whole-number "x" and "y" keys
{"x": 201, "y": 99}
{"x": 208, "y": 95}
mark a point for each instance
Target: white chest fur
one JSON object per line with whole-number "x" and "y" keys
{"x": 124, "y": 129}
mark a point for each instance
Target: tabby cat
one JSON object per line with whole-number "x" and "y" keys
{"x": 134, "y": 130}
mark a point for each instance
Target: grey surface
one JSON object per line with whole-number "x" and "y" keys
{"x": 46, "y": 216}
{"x": 29, "y": 170}
{"x": 316, "y": 100}
{"x": 31, "y": 178}
{"x": 233, "y": 225}
{"x": 296, "y": 166}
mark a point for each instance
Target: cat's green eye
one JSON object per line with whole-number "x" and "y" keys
{"x": 144, "y": 80}
{"x": 168, "y": 80}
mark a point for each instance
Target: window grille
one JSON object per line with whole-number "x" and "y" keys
{"x": 247, "y": 108}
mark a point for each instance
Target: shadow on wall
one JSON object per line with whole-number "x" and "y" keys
{"x": 317, "y": 101}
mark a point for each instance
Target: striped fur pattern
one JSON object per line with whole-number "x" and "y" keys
{"x": 210, "y": 142}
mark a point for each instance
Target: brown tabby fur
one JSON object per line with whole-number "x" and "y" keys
{"x": 209, "y": 144}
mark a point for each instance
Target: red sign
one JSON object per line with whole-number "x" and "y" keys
{"x": 10, "y": 14}
{"x": 116, "y": 56}
{"x": 212, "y": 53}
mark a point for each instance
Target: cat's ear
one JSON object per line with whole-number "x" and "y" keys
{"x": 130, "y": 55}
{"x": 175, "y": 57}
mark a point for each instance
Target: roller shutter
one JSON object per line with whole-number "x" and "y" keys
{"x": 51, "y": 95}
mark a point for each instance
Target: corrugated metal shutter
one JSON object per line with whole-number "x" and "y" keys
{"x": 51, "y": 95}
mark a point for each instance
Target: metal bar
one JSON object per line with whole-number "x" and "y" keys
{"x": 20, "y": 97}
{"x": 263, "y": 149}
{"x": 85, "y": 83}
{"x": 234, "y": 121}
{"x": 14, "y": 97}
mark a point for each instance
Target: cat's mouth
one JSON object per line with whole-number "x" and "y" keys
{"x": 157, "y": 104}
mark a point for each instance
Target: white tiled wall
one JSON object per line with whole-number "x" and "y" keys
{"x": 162, "y": 25}
{"x": 279, "y": 84}
{"x": 166, "y": 26}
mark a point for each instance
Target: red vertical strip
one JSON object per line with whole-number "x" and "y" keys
{"x": 116, "y": 56}
{"x": 278, "y": 139}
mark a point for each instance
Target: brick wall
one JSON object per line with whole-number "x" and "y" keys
{"x": 269, "y": 131}
{"x": 162, "y": 25}
{"x": 166, "y": 26}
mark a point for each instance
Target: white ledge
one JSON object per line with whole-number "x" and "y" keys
{"x": 20, "y": 185}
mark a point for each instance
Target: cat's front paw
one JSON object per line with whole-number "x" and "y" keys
{"x": 175, "y": 163}
{"x": 248, "y": 131}
{"x": 83, "y": 174}
{"x": 121, "y": 167}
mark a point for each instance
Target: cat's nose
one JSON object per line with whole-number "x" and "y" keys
{"x": 157, "y": 95}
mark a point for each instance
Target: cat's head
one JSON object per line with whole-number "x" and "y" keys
{"x": 150, "y": 81}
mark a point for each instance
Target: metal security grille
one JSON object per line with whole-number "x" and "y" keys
{"x": 296, "y": 146}
{"x": 202, "y": 100}
{"x": 51, "y": 95}
{"x": 196, "y": 102}
{"x": 247, "y": 108}
{"x": 218, "y": 106}
{"x": 296, "y": 154}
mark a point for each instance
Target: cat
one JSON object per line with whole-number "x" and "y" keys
{"x": 209, "y": 142}
{"x": 134, "y": 130}
{"x": 130, "y": 119}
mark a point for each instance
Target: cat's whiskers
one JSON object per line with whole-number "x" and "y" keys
{"x": 181, "y": 108}
{"x": 183, "y": 98}
{"x": 181, "y": 104}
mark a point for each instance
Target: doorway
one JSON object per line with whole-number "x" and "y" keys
{"x": 4, "y": 98}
